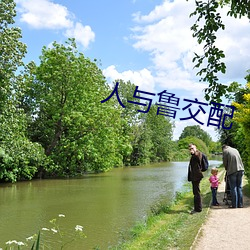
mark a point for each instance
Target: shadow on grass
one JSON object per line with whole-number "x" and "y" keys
{"x": 183, "y": 204}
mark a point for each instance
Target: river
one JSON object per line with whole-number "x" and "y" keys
{"x": 104, "y": 204}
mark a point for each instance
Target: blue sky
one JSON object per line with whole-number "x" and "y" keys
{"x": 148, "y": 42}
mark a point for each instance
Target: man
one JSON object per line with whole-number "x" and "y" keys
{"x": 195, "y": 175}
{"x": 235, "y": 170}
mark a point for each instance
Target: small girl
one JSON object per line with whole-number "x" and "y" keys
{"x": 214, "y": 185}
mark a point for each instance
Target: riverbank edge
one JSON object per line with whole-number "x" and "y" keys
{"x": 171, "y": 226}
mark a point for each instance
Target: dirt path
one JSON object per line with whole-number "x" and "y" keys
{"x": 225, "y": 228}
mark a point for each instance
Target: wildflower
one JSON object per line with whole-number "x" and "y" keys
{"x": 10, "y": 242}
{"x": 54, "y": 230}
{"x": 45, "y": 229}
{"x": 78, "y": 228}
{"x": 29, "y": 238}
{"x": 61, "y": 215}
{"x": 20, "y": 243}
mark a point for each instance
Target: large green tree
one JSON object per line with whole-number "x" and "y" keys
{"x": 77, "y": 131}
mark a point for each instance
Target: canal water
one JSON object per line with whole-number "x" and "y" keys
{"x": 106, "y": 204}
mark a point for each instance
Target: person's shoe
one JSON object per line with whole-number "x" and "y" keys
{"x": 241, "y": 206}
{"x": 217, "y": 204}
{"x": 194, "y": 212}
{"x": 231, "y": 206}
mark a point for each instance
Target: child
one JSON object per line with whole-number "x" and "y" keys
{"x": 214, "y": 185}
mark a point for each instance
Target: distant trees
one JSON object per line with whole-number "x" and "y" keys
{"x": 184, "y": 142}
{"x": 159, "y": 131}
{"x": 194, "y": 134}
{"x": 196, "y": 131}
{"x": 149, "y": 134}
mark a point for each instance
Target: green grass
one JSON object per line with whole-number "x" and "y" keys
{"x": 170, "y": 226}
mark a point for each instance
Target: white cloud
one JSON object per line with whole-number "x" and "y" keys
{"x": 234, "y": 41}
{"x": 83, "y": 34}
{"x": 142, "y": 78}
{"x": 159, "y": 12}
{"x": 44, "y": 14}
{"x": 165, "y": 34}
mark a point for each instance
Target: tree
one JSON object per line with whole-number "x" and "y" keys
{"x": 12, "y": 50}
{"x": 208, "y": 23}
{"x": 129, "y": 120}
{"x": 196, "y": 131}
{"x": 19, "y": 157}
{"x": 160, "y": 130}
{"x": 242, "y": 119}
{"x": 78, "y": 132}
{"x": 215, "y": 147}
{"x": 183, "y": 144}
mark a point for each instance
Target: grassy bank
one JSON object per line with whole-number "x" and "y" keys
{"x": 170, "y": 227}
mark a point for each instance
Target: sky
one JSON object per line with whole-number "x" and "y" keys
{"x": 147, "y": 42}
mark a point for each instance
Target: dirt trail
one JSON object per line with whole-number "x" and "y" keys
{"x": 225, "y": 228}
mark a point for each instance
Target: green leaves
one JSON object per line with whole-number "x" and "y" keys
{"x": 239, "y": 8}
{"x": 20, "y": 158}
{"x": 211, "y": 60}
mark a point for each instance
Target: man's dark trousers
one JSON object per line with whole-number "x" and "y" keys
{"x": 197, "y": 196}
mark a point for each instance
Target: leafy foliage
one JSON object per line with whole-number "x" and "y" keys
{"x": 78, "y": 132}
{"x": 19, "y": 157}
{"x": 238, "y": 135}
{"x": 242, "y": 117}
{"x": 196, "y": 131}
{"x": 160, "y": 132}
